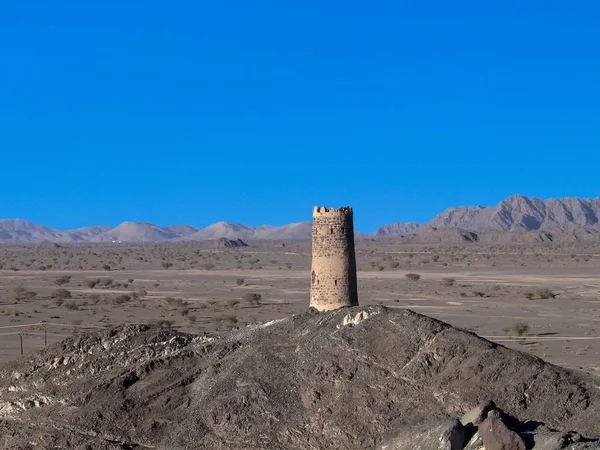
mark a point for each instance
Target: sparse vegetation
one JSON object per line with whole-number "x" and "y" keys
{"x": 252, "y": 298}
{"x": 520, "y": 328}
{"x": 546, "y": 293}
{"x": 447, "y": 281}
{"x": 61, "y": 294}
{"x": 62, "y": 280}
{"x": 413, "y": 276}
{"x": 22, "y": 294}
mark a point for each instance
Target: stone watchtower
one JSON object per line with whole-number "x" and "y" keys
{"x": 333, "y": 273}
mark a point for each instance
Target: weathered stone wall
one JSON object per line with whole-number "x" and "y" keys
{"x": 333, "y": 272}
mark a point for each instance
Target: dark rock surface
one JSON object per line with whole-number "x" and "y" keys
{"x": 339, "y": 380}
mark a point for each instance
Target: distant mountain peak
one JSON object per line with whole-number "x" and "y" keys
{"x": 515, "y": 213}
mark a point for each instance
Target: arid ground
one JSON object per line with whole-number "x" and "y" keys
{"x": 540, "y": 298}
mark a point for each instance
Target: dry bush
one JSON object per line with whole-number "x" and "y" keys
{"x": 529, "y": 295}
{"x": 61, "y": 293}
{"x": 191, "y": 318}
{"x": 448, "y": 281}
{"x": 176, "y": 302}
{"x": 239, "y": 281}
{"x": 23, "y": 294}
{"x": 120, "y": 299}
{"x": 225, "y": 323}
{"x": 520, "y": 328}
{"x": 72, "y": 306}
{"x": 208, "y": 266}
{"x": 166, "y": 265}
{"x": 62, "y": 280}
{"x": 233, "y": 303}
{"x": 91, "y": 283}
{"x": 106, "y": 267}
{"x": 162, "y": 323}
{"x": 413, "y": 276}
{"x": 394, "y": 264}
{"x": 546, "y": 293}
{"x": 252, "y": 298}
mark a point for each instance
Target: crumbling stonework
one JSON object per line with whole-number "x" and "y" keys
{"x": 333, "y": 273}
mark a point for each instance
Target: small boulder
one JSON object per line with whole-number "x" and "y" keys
{"x": 495, "y": 435}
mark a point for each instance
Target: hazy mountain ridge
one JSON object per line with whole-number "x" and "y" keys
{"x": 517, "y": 213}
{"x": 18, "y": 231}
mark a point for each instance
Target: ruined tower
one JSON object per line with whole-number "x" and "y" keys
{"x": 333, "y": 272}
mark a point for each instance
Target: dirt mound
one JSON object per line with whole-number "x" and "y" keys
{"x": 337, "y": 380}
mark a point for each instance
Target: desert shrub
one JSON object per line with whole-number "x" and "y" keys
{"x": 448, "y": 281}
{"x": 239, "y": 281}
{"x": 225, "y": 323}
{"x": 166, "y": 265}
{"x": 546, "y": 293}
{"x": 191, "y": 318}
{"x": 252, "y": 298}
{"x": 94, "y": 298}
{"x": 208, "y": 266}
{"x": 413, "y": 276}
{"x": 520, "y": 328}
{"x": 62, "y": 281}
{"x": 381, "y": 268}
{"x": 59, "y": 301}
{"x": 162, "y": 323}
{"x": 176, "y": 301}
{"x": 72, "y": 306}
{"x": 60, "y": 293}
{"x": 479, "y": 293}
{"x": 184, "y": 311}
{"x": 23, "y": 294}
{"x": 233, "y": 303}
{"x": 121, "y": 298}
{"x": 91, "y": 283}
{"x": 394, "y": 264}
{"x": 288, "y": 266}
{"x": 106, "y": 267}
{"x": 529, "y": 295}
{"x": 131, "y": 280}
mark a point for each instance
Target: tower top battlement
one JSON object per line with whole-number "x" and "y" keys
{"x": 323, "y": 211}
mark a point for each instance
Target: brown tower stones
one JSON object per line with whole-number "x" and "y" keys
{"x": 333, "y": 273}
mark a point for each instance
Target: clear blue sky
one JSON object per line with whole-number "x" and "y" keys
{"x": 254, "y": 111}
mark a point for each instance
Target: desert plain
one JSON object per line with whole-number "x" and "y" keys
{"x": 541, "y": 298}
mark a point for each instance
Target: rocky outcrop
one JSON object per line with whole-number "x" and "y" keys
{"x": 497, "y": 431}
{"x": 346, "y": 379}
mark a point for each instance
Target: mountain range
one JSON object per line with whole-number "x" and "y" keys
{"x": 516, "y": 213}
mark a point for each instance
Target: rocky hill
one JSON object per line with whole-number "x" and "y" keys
{"x": 516, "y": 213}
{"x": 347, "y": 379}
